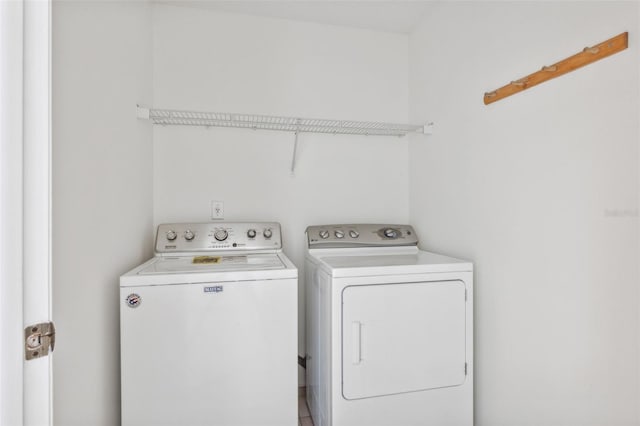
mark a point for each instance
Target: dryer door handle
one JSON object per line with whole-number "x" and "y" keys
{"x": 356, "y": 339}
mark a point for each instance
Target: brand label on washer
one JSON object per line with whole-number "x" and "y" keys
{"x": 214, "y": 289}
{"x": 133, "y": 300}
{"x": 203, "y": 260}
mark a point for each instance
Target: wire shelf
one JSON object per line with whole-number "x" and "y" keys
{"x": 168, "y": 117}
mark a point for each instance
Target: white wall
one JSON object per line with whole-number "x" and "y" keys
{"x": 102, "y": 189}
{"x": 540, "y": 190}
{"x": 212, "y": 61}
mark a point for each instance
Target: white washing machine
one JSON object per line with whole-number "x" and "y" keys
{"x": 389, "y": 329}
{"x": 209, "y": 329}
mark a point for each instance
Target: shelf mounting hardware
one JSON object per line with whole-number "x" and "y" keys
{"x": 142, "y": 112}
{"x": 293, "y": 157}
{"x": 587, "y": 56}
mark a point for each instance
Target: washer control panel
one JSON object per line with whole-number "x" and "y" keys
{"x": 361, "y": 235}
{"x": 218, "y": 236}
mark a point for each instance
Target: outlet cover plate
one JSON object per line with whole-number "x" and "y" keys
{"x": 217, "y": 210}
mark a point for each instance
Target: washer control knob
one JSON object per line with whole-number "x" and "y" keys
{"x": 251, "y": 233}
{"x": 354, "y": 234}
{"x": 268, "y": 233}
{"x": 171, "y": 235}
{"x": 324, "y": 234}
{"x": 189, "y": 235}
{"x": 339, "y": 234}
{"x": 390, "y": 233}
{"x": 221, "y": 234}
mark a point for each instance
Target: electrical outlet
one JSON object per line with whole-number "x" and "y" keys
{"x": 217, "y": 210}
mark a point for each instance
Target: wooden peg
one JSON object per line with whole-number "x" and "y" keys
{"x": 520, "y": 82}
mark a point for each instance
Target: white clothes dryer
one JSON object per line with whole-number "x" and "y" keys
{"x": 208, "y": 329}
{"x": 389, "y": 329}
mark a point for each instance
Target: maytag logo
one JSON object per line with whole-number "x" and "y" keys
{"x": 214, "y": 289}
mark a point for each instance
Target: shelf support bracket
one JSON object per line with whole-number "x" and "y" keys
{"x": 295, "y": 149}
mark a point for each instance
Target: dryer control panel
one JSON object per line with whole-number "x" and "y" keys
{"x": 218, "y": 236}
{"x": 361, "y": 235}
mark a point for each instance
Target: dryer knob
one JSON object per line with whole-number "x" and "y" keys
{"x": 251, "y": 233}
{"x": 324, "y": 234}
{"x": 268, "y": 233}
{"x": 221, "y": 234}
{"x": 171, "y": 235}
{"x": 390, "y": 233}
{"x": 189, "y": 235}
{"x": 354, "y": 234}
{"x": 339, "y": 234}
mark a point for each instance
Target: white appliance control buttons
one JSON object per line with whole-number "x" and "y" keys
{"x": 221, "y": 234}
{"x": 390, "y": 233}
{"x": 212, "y": 236}
{"x": 346, "y": 235}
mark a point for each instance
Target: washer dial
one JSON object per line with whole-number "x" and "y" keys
{"x": 221, "y": 234}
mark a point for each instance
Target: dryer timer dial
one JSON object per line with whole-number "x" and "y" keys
{"x": 390, "y": 233}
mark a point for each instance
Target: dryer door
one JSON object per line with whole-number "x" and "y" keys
{"x": 402, "y": 337}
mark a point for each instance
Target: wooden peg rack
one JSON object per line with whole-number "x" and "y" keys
{"x": 587, "y": 56}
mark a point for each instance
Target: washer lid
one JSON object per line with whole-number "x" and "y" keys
{"x": 195, "y": 264}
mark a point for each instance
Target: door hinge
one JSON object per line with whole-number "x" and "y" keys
{"x": 38, "y": 340}
{"x": 302, "y": 361}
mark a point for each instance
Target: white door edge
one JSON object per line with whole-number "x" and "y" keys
{"x": 37, "y": 402}
{"x": 25, "y": 207}
{"x": 11, "y": 78}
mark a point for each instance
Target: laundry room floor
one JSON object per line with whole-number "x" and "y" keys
{"x": 304, "y": 417}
